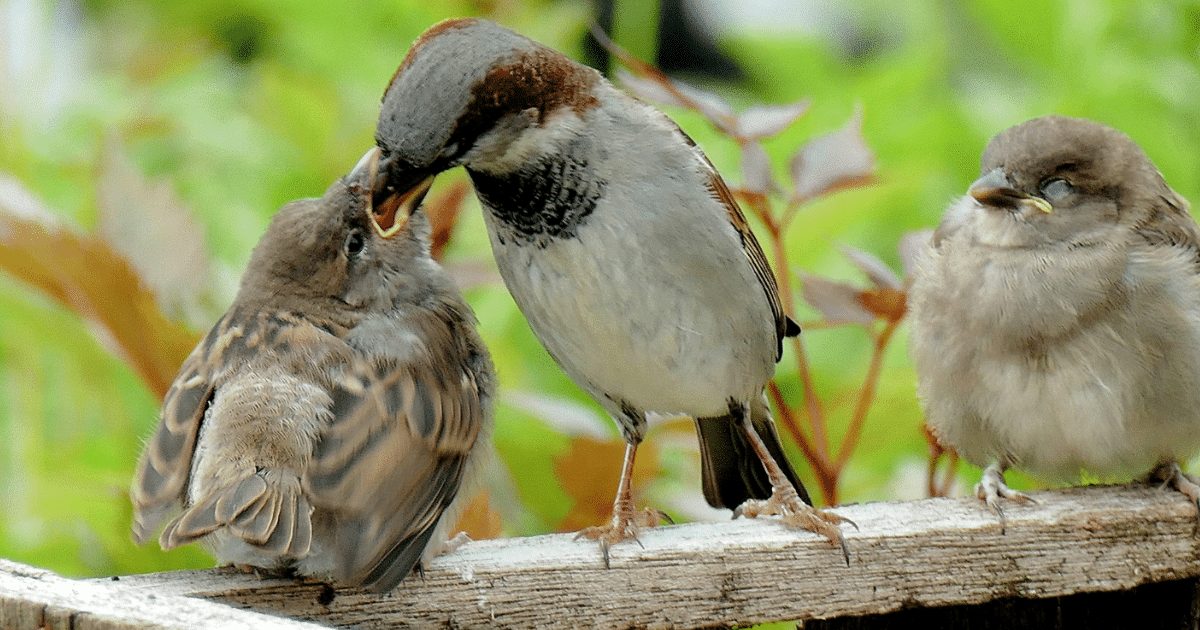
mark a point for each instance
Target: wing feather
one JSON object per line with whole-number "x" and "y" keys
{"x": 1170, "y": 224}
{"x": 784, "y": 325}
{"x": 162, "y": 473}
{"x": 393, "y": 459}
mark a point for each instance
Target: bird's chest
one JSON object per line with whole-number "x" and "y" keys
{"x": 1056, "y": 361}
{"x": 266, "y": 418}
{"x": 1064, "y": 406}
{"x": 626, "y": 265}
{"x": 547, "y": 198}
{"x": 1025, "y": 295}
{"x": 658, "y": 311}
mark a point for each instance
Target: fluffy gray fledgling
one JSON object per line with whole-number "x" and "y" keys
{"x": 1056, "y": 312}
{"x": 327, "y": 422}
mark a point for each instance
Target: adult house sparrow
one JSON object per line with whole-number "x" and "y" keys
{"x": 327, "y": 422}
{"x": 1056, "y": 313}
{"x": 620, "y": 244}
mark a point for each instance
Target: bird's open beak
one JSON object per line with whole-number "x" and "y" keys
{"x": 390, "y": 209}
{"x": 993, "y": 189}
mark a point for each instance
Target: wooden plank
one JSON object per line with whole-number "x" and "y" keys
{"x": 33, "y": 599}
{"x": 928, "y": 553}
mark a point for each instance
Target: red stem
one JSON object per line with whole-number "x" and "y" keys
{"x": 787, "y": 417}
{"x": 817, "y": 450}
{"x": 866, "y": 396}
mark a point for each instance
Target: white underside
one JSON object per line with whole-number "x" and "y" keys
{"x": 654, "y": 301}
{"x": 1113, "y": 395}
{"x": 645, "y": 320}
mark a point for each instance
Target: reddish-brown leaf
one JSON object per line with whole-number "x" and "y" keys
{"x": 443, "y": 211}
{"x": 885, "y": 302}
{"x": 832, "y": 162}
{"x": 479, "y": 520}
{"x": 147, "y": 223}
{"x": 85, "y": 275}
{"x": 837, "y": 302}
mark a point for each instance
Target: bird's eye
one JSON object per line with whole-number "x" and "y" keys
{"x": 355, "y": 243}
{"x": 1057, "y": 188}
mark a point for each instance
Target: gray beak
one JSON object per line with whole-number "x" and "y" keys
{"x": 994, "y": 190}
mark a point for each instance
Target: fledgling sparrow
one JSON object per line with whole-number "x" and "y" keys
{"x": 619, "y": 242}
{"x": 1056, "y": 313}
{"x": 327, "y": 422}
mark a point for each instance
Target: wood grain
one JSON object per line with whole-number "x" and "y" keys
{"x": 927, "y": 553}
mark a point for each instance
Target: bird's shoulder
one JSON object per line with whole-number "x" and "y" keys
{"x": 426, "y": 368}
{"x": 1167, "y": 223}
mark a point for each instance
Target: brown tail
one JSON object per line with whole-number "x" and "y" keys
{"x": 730, "y": 469}
{"x": 273, "y": 518}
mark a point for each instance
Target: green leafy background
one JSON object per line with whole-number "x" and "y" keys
{"x": 223, "y": 111}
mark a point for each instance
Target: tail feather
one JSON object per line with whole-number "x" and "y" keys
{"x": 393, "y": 567}
{"x": 273, "y": 518}
{"x": 730, "y": 469}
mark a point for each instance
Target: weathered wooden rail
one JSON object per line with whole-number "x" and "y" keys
{"x": 1133, "y": 549}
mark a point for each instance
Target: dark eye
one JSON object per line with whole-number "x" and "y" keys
{"x": 1057, "y": 188}
{"x": 355, "y": 243}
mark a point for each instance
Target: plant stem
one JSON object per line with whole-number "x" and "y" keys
{"x": 816, "y": 450}
{"x": 866, "y": 395}
{"x": 788, "y": 418}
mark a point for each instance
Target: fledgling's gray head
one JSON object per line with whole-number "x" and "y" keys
{"x": 339, "y": 252}
{"x": 1068, "y": 176}
{"x": 462, "y": 79}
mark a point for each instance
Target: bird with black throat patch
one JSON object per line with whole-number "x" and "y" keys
{"x": 1056, "y": 313}
{"x": 327, "y": 424}
{"x": 621, "y": 245}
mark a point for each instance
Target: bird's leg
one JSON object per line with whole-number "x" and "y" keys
{"x": 785, "y": 501}
{"x": 625, "y": 520}
{"x": 991, "y": 488}
{"x": 1169, "y": 473}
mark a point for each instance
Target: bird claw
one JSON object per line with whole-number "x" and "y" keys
{"x": 624, "y": 526}
{"x": 992, "y": 487}
{"x": 796, "y": 513}
{"x": 1170, "y": 474}
{"x": 451, "y": 545}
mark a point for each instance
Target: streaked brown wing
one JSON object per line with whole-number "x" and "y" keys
{"x": 1170, "y": 224}
{"x": 162, "y": 471}
{"x": 784, "y": 326}
{"x": 254, "y": 363}
{"x": 392, "y": 461}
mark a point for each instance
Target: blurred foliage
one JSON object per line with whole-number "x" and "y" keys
{"x": 199, "y": 119}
